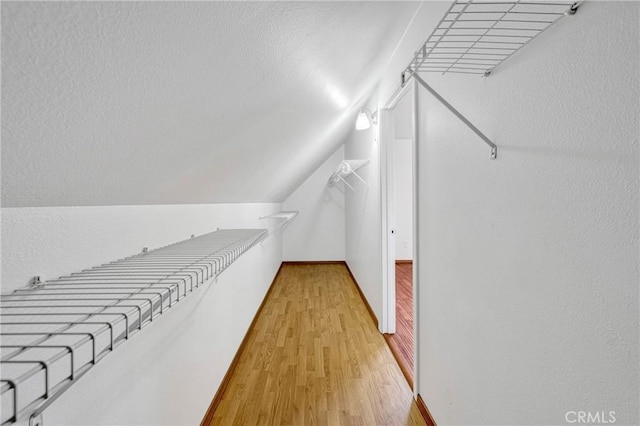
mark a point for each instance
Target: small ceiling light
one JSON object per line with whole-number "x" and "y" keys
{"x": 365, "y": 118}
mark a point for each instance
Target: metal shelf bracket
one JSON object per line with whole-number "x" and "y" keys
{"x": 485, "y": 139}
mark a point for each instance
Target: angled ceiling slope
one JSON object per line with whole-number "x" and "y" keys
{"x": 111, "y": 103}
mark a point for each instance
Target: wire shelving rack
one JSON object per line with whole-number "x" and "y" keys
{"x": 56, "y": 331}
{"x": 475, "y": 36}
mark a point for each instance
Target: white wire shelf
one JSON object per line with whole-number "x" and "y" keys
{"x": 54, "y": 333}
{"x": 347, "y": 168}
{"x": 284, "y": 218}
{"x": 475, "y": 36}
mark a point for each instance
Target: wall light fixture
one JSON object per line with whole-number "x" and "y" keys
{"x": 365, "y": 118}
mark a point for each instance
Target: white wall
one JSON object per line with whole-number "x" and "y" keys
{"x": 363, "y": 250}
{"x": 317, "y": 233}
{"x": 169, "y": 373}
{"x": 403, "y": 197}
{"x": 529, "y": 264}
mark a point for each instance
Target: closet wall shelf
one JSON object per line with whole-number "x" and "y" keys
{"x": 56, "y": 332}
{"x": 284, "y": 218}
{"x": 475, "y": 36}
{"x": 345, "y": 169}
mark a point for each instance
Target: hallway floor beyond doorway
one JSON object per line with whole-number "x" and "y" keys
{"x": 402, "y": 341}
{"x": 314, "y": 356}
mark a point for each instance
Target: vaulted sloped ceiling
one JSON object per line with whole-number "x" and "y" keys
{"x": 111, "y": 103}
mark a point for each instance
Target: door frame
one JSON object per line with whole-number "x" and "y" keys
{"x": 387, "y": 137}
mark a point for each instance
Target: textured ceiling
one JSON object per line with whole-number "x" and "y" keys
{"x": 107, "y": 103}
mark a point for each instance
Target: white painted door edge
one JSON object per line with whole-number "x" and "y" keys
{"x": 416, "y": 240}
{"x": 388, "y": 320}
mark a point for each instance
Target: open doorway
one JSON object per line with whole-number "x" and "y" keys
{"x": 398, "y": 194}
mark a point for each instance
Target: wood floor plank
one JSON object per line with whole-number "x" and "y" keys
{"x": 314, "y": 357}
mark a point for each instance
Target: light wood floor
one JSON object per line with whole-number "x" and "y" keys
{"x": 402, "y": 341}
{"x": 315, "y": 357}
